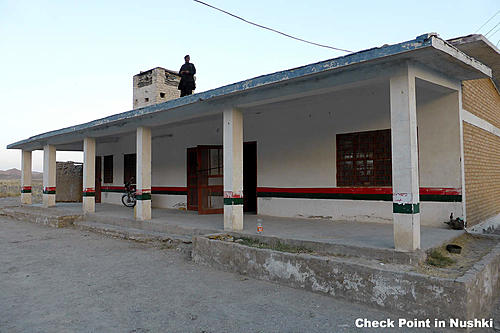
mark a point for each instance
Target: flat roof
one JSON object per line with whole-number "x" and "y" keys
{"x": 429, "y": 49}
{"x": 479, "y": 47}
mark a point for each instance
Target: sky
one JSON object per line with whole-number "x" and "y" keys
{"x": 68, "y": 62}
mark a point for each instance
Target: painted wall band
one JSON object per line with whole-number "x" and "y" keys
{"x": 154, "y": 190}
{"x": 370, "y": 194}
{"x": 49, "y": 190}
{"x": 413, "y": 208}
{"x": 88, "y": 194}
{"x": 373, "y": 194}
{"x": 233, "y": 201}
{"x": 26, "y": 189}
{"x": 144, "y": 196}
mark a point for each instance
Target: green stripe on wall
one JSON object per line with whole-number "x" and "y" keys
{"x": 406, "y": 208}
{"x": 440, "y": 198}
{"x": 25, "y": 191}
{"x": 145, "y": 196}
{"x": 233, "y": 201}
{"x": 49, "y": 192}
{"x": 356, "y": 196}
{"x": 88, "y": 194}
{"x": 170, "y": 192}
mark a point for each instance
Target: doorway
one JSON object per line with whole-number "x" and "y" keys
{"x": 205, "y": 179}
{"x": 250, "y": 177}
{"x": 98, "y": 173}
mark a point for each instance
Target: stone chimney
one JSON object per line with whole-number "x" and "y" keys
{"x": 155, "y": 86}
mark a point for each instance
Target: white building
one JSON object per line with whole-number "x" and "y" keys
{"x": 374, "y": 136}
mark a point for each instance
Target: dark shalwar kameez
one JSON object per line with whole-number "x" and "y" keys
{"x": 187, "y": 85}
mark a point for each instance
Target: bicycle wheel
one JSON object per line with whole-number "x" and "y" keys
{"x": 128, "y": 200}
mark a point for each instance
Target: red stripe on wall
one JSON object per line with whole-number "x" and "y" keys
{"x": 112, "y": 187}
{"x": 168, "y": 188}
{"x": 155, "y": 188}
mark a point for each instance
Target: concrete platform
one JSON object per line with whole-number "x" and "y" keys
{"x": 370, "y": 240}
{"x": 58, "y": 217}
{"x": 371, "y": 235}
{"x": 400, "y": 288}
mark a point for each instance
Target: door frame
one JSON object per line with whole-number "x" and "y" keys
{"x": 201, "y": 209}
{"x": 98, "y": 178}
{"x": 196, "y": 186}
{"x": 191, "y": 151}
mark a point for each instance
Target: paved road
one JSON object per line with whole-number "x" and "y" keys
{"x": 67, "y": 280}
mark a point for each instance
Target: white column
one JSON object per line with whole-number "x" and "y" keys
{"x": 233, "y": 170}
{"x": 26, "y": 177}
{"x": 405, "y": 185}
{"x": 143, "y": 177}
{"x": 88, "y": 175}
{"x": 49, "y": 176}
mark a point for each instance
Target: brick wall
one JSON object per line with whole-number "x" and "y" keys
{"x": 69, "y": 181}
{"x": 481, "y": 152}
{"x": 480, "y": 98}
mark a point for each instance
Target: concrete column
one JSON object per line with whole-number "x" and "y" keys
{"x": 49, "y": 176}
{"x": 26, "y": 177}
{"x": 143, "y": 177}
{"x": 405, "y": 185}
{"x": 233, "y": 170}
{"x": 88, "y": 175}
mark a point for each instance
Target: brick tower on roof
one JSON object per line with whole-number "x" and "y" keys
{"x": 155, "y": 86}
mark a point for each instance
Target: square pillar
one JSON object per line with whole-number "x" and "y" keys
{"x": 26, "y": 177}
{"x": 88, "y": 175}
{"x": 143, "y": 178}
{"x": 233, "y": 170}
{"x": 49, "y": 176}
{"x": 405, "y": 183}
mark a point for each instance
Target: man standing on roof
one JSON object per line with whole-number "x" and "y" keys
{"x": 187, "y": 72}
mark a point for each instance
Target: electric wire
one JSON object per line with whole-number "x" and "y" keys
{"x": 494, "y": 32}
{"x": 487, "y": 21}
{"x": 271, "y": 29}
{"x": 496, "y": 25}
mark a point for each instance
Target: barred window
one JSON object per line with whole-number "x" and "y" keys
{"x": 364, "y": 159}
{"x": 108, "y": 169}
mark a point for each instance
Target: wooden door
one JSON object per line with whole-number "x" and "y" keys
{"x": 98, "y": 173}
{"x": 210, "y": 180}
{"x": 192, "y": 178}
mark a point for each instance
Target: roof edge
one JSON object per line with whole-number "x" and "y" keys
{"x": 420, "y": 42}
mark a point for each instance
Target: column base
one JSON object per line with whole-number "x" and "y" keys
{"x": 406, "y": 231}
{"x": 26, "y": 198}
{"x": 49, "y": 200}
{"x": 88, "y": 204}
{"x": 142, "y": 210}
{"x": 233, "y": 217}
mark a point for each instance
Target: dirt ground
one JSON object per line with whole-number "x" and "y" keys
{"x": 474, "y": 248}
{"x": 68, "y": 280}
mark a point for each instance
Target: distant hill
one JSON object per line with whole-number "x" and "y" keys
{"x": 16, "y": 174}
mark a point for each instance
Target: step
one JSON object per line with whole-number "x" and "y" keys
{"x": 150, "y": 225}
{"x": 139, "y": 235}
{"x": 53, "y": 217}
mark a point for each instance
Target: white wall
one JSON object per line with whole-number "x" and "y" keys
{"x": 296, "y": 148}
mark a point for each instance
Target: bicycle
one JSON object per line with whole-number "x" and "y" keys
{"x": 128, "y": 199}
